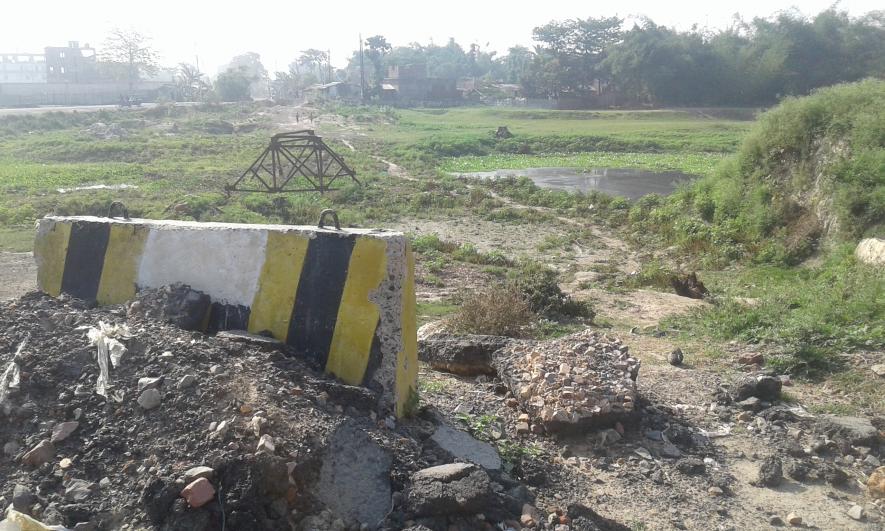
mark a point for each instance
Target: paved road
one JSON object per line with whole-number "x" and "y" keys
{"x": 80, "y": 108}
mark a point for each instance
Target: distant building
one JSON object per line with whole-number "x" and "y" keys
{"x": 335, "y": 90}
{"x": 22, "y": 68}
{"x": 71, "y": 64}
{"x": 410, "y": 83}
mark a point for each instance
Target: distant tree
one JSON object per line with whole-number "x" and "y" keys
{"x": 250, "y": 65}
{"x": 376, "y": 48}
{"x": 516, "y": 63}
{"x": 233, "y": 85}
{"x": 190, "y": 83}
{"x": 315, "y": 62}
{"x": 578, "y": 46}
{"x": 132, "y": 49}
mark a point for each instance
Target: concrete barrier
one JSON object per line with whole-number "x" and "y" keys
{"x": 343, "y": 298}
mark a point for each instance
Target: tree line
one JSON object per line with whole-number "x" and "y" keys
{"x": 753, "y": 62}
{"x": 599, "y": 61}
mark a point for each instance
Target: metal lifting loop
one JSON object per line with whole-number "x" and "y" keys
{"x": 122, "y": 210}
{"x": 334, "y": 218}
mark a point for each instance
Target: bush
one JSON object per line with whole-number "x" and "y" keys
{"x": 499, "y": 310}
{"x": 539, "y": 286}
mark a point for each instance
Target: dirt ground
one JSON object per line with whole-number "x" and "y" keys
{"x": 609, "y": 479}
{"x": 18, "y": 274}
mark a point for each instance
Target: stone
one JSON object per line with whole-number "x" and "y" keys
{"x": 745, "y": 416}
{"x": 878, "y": 369}
{"x": 79, "y": 490}
{"x": 265, "y": 444}
{"x": 149, "y": 399}
{"x": 63, "y": 430}
{"x": 691, "y": 466}
{"x": 676, "y": 357}
{"x": 871, "y": 460}
{"x": 11, "y": 448}
{"x": 186, "y": 381}
{"x": 776, "y": 521}
{"x": 42, "y": 453}
{"x": 522, "y": 428}
{"x": 354, "y": 479}
{"x": 465, "y": 447}
{"x": 715, "y": 491}
{"x": 876, "y": 483}
{"x": 457, "y": 488}
{"x": 466, "y": 355}
{"x": 198, "y": 493}
{"x": 751, "y": 358}
{"x": 220, "y": 429}
{"x": 794, "y": 519}
{"x": 771, "y": 472}
{"x": 654, "y": 435}
{"x": 763, "y": 387}
{"x": 258, "y": 425}
{"x": 859, "y": 431}
{"x": 197, "y": 472}
{"x": 750, "y": 404}
{"x": 149, "y": 383}
{"x": 22, "y": 499}
{"x": 856, "y": 512}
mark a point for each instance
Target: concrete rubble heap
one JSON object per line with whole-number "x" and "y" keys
{"x": 580, "y": 381}
{"x": 201, "y": 432}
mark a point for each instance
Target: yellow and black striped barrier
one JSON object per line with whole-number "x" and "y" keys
{"x": 343, "y": 298}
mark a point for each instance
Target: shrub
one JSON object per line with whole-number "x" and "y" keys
{"x": 499, "y": 310}
{"x": 539, "y": 286}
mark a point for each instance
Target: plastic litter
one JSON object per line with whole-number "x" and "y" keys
{"x": 16, "y": 521}
{"x": 110, "y": 351}
{"x": 11, "y": 376}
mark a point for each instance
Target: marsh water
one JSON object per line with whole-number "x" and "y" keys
{"x": 629, "y": 183}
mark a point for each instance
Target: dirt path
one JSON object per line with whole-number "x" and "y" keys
{"x": 18, "y": 274}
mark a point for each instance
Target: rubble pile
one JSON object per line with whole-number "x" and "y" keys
{"x": 199, "y": 432}
{"x": 580, "y": 381}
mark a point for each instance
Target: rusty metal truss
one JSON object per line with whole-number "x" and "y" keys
{"x": 298, "y": 161}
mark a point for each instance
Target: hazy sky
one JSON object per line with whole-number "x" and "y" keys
{"x": 216, "y": 31}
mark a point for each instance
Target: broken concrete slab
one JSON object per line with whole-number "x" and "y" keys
{"x": 463, "y": 446}
{"x": 355, "y": 476}
{"x": 467, "y": 355}
{"x": 457, "y": 488}
{"x": 859, "y": 431}
{"x": 576, "y": 382}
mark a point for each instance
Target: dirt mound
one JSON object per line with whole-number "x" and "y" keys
{"x": 257, "y": 419}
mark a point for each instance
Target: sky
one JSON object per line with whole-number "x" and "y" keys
{"x": 213, "y": 32}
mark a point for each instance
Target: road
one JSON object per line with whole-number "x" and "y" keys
{"x": 80, "y": 108}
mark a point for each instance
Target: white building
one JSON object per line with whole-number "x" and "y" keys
{"x": 22, "y": 68}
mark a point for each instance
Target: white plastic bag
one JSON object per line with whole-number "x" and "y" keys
{"x": 11, "y": 376}
{"x": 110, "y": 351}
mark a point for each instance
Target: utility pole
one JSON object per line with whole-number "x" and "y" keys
{"x": 329, "y": 64}
{"x": 362, "y": 73}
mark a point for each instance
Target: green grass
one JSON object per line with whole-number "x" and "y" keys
{"x": 432, "y": 311}
{"x": 809, "y": 316}
{"x": 690, "y": 163}
{"x": 652, "y": 130}
{"x": 17, "y": 239}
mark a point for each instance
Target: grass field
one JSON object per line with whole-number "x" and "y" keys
{"x": 690, "y": 163}
{"x": 653, "y": 130}
{"x": 177, "y": 164}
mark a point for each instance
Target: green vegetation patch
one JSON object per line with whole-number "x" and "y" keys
{"x": 808, "y": 315}
{"x": 690, "y": 163}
